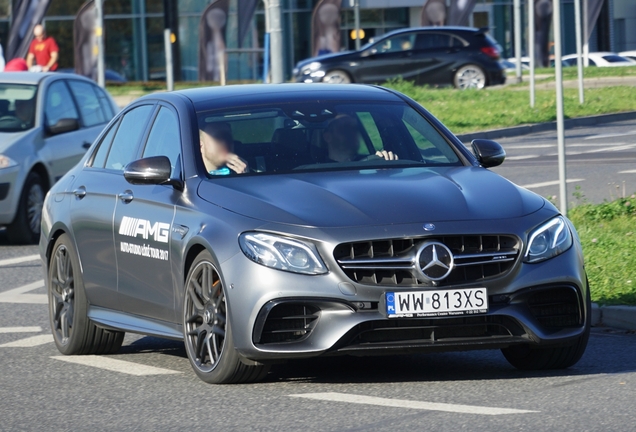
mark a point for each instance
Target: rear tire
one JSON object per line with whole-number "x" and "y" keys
{"x": 469, "y": 77}
{"x": 25, "y": 228}
{"x": 73, "y": 332}
{"x": 206, "y": 328}
{"x": 336, "y": 77}
{"x": 557, "y": 357}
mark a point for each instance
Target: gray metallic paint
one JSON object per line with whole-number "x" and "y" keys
{"x": 460, "y": 200}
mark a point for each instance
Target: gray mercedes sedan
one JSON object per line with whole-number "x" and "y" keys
{"x": 263, "y": 223}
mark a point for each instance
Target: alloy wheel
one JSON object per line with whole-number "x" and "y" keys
{"x": 63, "y": 293}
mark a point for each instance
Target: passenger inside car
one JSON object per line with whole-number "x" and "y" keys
{"x": 217, "y": 150}
{"x": 342, "y": 140}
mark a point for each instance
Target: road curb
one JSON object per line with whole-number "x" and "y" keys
{"x": 544, "y": 127}
{"x": 622, "y": 317}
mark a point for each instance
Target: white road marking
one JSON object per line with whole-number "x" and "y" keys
{"x": 17, "y": 295}
{"x": 114, "y": 365}
{"x": 401, "y": 403}
{"x": 612, "y": 148}
{"x": 550, "y": 183}
{"x": 11, "y": 261}
{"x": 29, "y": 342}
{"x": 628, "y": 172}
{"x": 35, "y": 329}
{"x": 528, "y": 146}
{"x": 610, "y": 135}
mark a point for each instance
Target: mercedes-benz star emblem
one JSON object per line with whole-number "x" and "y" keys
{"x": 434, "y": 261}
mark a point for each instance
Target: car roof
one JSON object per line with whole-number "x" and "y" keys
{"x": 34, "y": 77}
{"x": 207, "y": 98}
{"x": 455, "y": 29}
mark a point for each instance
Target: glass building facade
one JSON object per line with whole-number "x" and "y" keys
{"x": 134, "y": 48}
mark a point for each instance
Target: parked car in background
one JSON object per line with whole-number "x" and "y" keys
{"x": 356, "y": 224}
{"x": 600, "y": 59}
{"x": 463, "y": 57}
{"x": 629, "y": 54}
{"x": 109, "y": 75}
{"x": 47, "y": 122}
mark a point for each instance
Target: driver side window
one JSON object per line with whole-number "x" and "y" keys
{"x": 59, "y": 104}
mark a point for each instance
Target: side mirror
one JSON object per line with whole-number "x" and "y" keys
{"x": 63, "y": 125}
{"x": 489, "y": 153}
{"x": 153, "y": 170}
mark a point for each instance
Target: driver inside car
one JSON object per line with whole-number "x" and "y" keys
{"x": 217, "y": 150}
{"x": 342, "y": 140}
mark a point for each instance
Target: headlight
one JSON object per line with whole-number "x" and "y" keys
{"x": 6, "y": 162}
{"x": 311, "y": 67}
{"x": 282, "y": 253}
{"x": 549, "y": 240}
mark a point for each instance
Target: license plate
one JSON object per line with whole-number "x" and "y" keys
{"x": 437, "y": 303}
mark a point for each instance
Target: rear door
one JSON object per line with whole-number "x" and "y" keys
{"x": 436, "y": 54}
{"x": 96, "y": 192}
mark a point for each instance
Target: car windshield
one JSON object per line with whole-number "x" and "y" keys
{"x": 320, "y": 136}
{"x": 17, "y": 107}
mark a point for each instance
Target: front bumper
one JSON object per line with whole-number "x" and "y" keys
{"x": 9, "y": 194}
{"x": 285, "y": 315}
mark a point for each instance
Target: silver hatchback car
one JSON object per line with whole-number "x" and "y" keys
{"x": 47, "y": 122}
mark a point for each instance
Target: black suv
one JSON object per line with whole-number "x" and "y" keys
{"x": 464, "y": 57}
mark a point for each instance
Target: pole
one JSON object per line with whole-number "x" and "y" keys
{"x": 266, "y": 59}
{"x": 276, "y": 39}
{"x": 517, "y": 29}
{"x": 99, "y": 38}
{"x": 579, "y": 61}
{"x": 356, "y": 15}
{"x": 169, "y": 66}
{"x": 531, "y": 38}
{"x": 556, "y": 23}
{"x": 586, "y": 42}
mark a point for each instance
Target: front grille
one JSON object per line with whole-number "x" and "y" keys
{"x": 288, "y": 322}
{"x": 392, "y": 262}
{"x": 431, "y": 331}
{"x": 556, "y": 307}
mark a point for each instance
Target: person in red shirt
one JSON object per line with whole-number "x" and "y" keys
{"x": 43, "y": 50}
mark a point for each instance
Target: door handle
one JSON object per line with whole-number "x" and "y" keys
{"x": 86, "y": 145}
{"x": 126, "y": 196}
{"x": 80, "y": 192}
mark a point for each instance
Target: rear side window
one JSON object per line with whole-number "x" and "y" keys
{"x": 126, "y": 141}
{"x": 102, "y": 151}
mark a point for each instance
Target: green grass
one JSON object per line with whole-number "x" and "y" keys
{"x": 492, "y": 108}
{"x": 571, "y": 73}
{"x": 608, "y": 236}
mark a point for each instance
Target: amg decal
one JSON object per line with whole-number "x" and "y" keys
{"x": 132, "y": 227}
{"x": 144, "y": 250}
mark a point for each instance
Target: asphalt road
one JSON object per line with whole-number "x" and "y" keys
{"x": 149, "y": 385}
{"x": 600, "y": 159}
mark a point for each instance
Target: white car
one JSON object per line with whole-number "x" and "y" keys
{"x": 600, "y": 59}
{"x": 629, "y": 54}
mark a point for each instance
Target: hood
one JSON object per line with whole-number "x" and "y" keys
{"x": 341, "y": 54}
{"x": 373, "y": 197}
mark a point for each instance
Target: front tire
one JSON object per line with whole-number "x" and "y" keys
{"x": 469, "y": 77}
{"x": 206, "y": 328}
{"x": 73, "y": 332}
{"x": 557, "y": 357}
{"x": 25, "y": 228}
{"x": 336, "y": 77}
